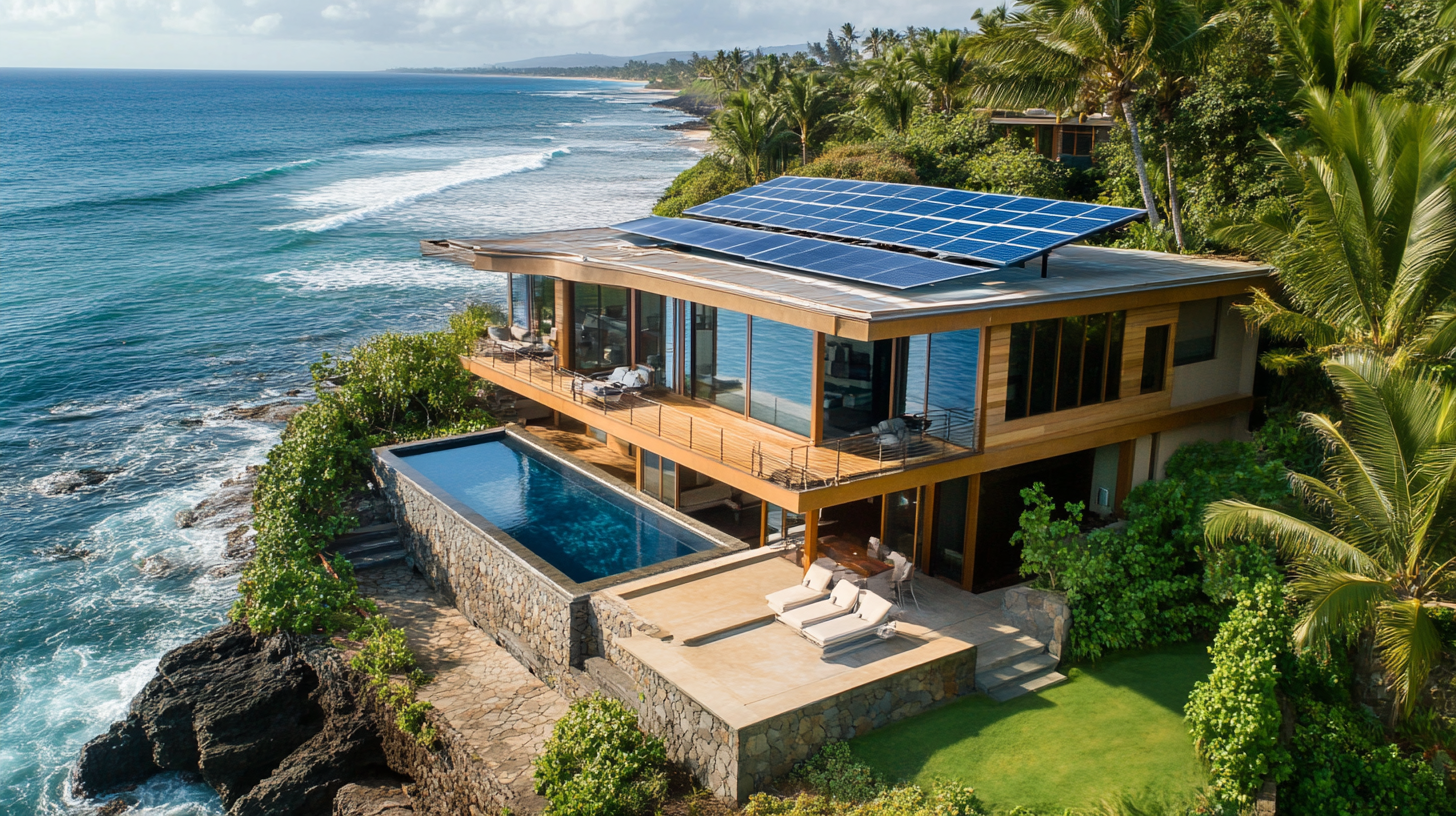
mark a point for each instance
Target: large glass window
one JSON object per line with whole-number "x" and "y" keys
{"x": 600, "y": 317}
{"x": 655, "y": 336}
{"x": 902, "y": 522}
{"x": 1197, "y": 332}
{"x": 720, "y": 356}
{"x": 1155, "y": 359}
{"x": 782, "y": 375}
{"x": 543, "y": 304}
{"x": 917, "y": 364}
{"x": 858, "y": 384}
{"x": 1063, "y": 363}
{"x": 520, "y": 300}
{"x": 948, "y": 540}
{"x": 954, "y": 358}
{"x": 659, "y": 478}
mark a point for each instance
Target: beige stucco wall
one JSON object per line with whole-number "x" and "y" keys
{"x": 1230, "y": 372}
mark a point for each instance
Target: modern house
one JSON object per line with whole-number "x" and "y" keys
{"x": 897, "y": 362}
{"x": 1061, "y": 139}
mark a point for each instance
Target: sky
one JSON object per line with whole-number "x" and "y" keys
{"x": 367, "y": 35}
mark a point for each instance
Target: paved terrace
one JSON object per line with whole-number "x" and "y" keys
{"x": 729, "y": 655}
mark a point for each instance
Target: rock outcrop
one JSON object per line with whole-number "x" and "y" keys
{"x": 275, "y": 725}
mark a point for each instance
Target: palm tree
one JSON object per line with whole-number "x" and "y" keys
{"x": 1439, "y": 61}
{"x": 1375, "y": 555}
{"x": 945, "y": 68}
{"x": 1328, "y": 44}
{"x": 1366, "y": 248}
{"x": 876, "y": 41}
{"x": 1056, "y": 53}
{"x": 806, "y": 104}
{"x": 887, "y": 93}
{"x": 749, "y": 132}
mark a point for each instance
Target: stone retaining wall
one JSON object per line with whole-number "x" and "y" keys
{"x": 448, "y": 780}
{"x": 533, "y": 618}
{"x": 1041, "y": 613}
{"x": 771, "y": 748}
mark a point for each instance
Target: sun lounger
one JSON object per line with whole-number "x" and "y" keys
{"x": 814, "y": 587}
{"x": 873, "y": 612}
{"x": 840, "y": 602}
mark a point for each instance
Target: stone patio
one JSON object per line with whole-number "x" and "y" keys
{"x": 502, "y": 711}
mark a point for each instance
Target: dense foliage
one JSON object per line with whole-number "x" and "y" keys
{"x": 598, "y": 763}
{"x": 1146, "y": 583}
{"x": 868, "y": 162}
{"x": 839, "y": 785}
{"x": 1234, "y": 715}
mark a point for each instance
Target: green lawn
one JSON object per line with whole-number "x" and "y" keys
{"x": 1114, "y": 729}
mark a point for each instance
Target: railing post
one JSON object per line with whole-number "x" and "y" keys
{"x": 720, "y": 444}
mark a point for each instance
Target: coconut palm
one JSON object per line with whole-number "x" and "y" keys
{"x": 1366, "y": 249}
{"x": 1439, "y": 61}
{"x": 806, "y": 104}
{"x": 945, "y": 68}
{"x": 750, "y": 133}
{"x": 1375, "y": 555}
{"x": 1057, "y": 53}
{"x": 876, "y": 41}
{"x": 887, "y": 93}
{"x": 1328, "y": 44}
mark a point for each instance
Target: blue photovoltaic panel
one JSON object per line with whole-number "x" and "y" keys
{"x": 858, "y": 263}
{"x": 1000, "y": 229}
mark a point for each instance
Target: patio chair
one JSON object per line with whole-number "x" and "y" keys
{"x": 631, "y": 379}
{"x": 814, "y": 587}
{"x": 891, "y": 432}
{"x": 840, "y": 602}
{"x": 599, "y": 391}
{"x": 873, "y": 613}
{"x": 898, "y": 581}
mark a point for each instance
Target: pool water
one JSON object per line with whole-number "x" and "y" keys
{"x": 577, "y": 526}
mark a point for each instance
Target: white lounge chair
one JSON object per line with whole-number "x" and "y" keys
{"x": 631, "y": 379}
{"x": 814, "y": 587}
{"x": 873, "y": 612}
{"x": 840, "y": 602}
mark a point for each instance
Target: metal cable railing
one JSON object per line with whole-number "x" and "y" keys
{"x": 926, "y": 437}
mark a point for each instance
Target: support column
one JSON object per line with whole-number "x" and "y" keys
{"x": 565, "y": 325}
{"x": 973, "y": 520}
{"x": 811, "y": 538}
{"x": 816, "y": 412}
{"x": 925, "y": 524}
{"x": 762, "y": 523}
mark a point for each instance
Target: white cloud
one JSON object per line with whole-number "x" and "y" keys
{"x": 266, "y": 24}
{"x": 344, "y": 14}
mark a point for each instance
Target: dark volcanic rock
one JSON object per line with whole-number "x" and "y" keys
{"x": 692, "y": 105}
{"x": 69, "y": 481}
{"x": 231, "y": 505}
{"x": 372, "y": 797}
{"x": 275, "y": 725}
{"x": 269, "y": 412}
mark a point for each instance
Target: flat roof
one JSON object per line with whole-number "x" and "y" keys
{"x": 1074, "y": 272}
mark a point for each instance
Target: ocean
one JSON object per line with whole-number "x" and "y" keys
{"x": 176, "y": 243}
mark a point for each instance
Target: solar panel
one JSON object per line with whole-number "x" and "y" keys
{"x": 880, "y": 267}
{"x": 999, "y": 229}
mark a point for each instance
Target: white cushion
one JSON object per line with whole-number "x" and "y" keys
{"x": 518, "y": 332}
{"x": 817, "y": 577}
{"x": 840, "y": 602}
{"x": 499, "y": 333}
{"x": 873, "y": 609}
{"x": 794, "y": 596}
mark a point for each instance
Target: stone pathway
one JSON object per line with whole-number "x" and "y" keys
{"x": 502, "y": 710}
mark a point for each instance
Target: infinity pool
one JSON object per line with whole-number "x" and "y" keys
{"x": 577, "y": 526}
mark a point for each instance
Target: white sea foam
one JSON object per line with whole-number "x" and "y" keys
{"x": 415, "y": 273}
{"x": 369, "y": 196}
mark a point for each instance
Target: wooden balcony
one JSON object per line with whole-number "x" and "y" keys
{"x": 696, "y": 432}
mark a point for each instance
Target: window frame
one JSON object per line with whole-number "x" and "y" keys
{"x": 1178, "y": 336}
{"x": 1048, "y": 345}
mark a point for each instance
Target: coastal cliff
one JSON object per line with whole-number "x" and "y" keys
{"x": 276, "y": 725}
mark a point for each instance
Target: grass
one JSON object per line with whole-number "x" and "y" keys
{"x": 1114, "y": 731}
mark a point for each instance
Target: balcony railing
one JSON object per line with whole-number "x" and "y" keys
{"x": 928, "y": 438}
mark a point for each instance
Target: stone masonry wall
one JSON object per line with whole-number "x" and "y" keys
{"x": 1042, "y": 614}
{"x": 694, "y": 737}
{"x": 538, "y": 622}
{"x": 448, "y": 781}
{"x": 771, "y": 748}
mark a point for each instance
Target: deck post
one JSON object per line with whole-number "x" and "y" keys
{"x": 811, "y": 538}
{"x": 816, "y": 392}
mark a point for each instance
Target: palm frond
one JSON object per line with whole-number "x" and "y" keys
{"x": 1410, "y": 646}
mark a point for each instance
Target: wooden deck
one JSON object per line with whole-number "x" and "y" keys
{"x": 750, "y": 447}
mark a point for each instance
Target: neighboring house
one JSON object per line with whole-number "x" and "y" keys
{"x": 1069, "y": 141}
{"x": 912, "y": 414}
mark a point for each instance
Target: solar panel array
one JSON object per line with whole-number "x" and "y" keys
{"x": 1000, "y": 230}
{"x": 881, "y": 267}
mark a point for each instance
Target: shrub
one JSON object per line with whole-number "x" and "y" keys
{"x": 385, "y": 652}
{"x": 1234, "y": 715}
{"x": 598, "y": 763}
{"x": 393, "y": 381}
{"x": 867, "y": 162}
{"x": 1147, "y": 583}
{"x": 835, "y": 772}
{"x": 710, "y": 178}
{"x": 1008, "y": 168}
{"x": 470, "y": 324}
{"x": 939, "y": 146}
{"x": 902, "y": 800}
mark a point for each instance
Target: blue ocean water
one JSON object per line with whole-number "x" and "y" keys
{"x": 173, "y": 243}
{"x": 583, "y": 529}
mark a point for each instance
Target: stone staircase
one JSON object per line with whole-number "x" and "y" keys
{"x": 1012, "y": 666}
{"x": 372, "y": 546}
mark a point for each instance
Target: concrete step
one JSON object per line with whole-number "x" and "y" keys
{"x": 377, "y": 559}
{"x": 988, "y": 681}
{"x": 1031, "y": 683}
{"x": 1007, "y": 651}
{"x": 374, "y": 531}
{"x": 363, "y": 548}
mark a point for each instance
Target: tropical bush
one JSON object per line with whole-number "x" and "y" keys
{"x": 836, "y": 773}
{"x": 939, "y": 146}
{"x": 1235, "y": 715}
{"x": 385, "y": 655}
{"x": 869, "y": 162}
{"x": 901, "y": 800}
{"x": 1008, "y": 168}
{"x": 1147, "y": 583}
{"x": 598, "y": 763}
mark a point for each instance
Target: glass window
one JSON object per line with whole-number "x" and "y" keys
{"x": 858, "y": 384}
{"x": 543, "y": 304}
{"x": 902, "y": 528}
{"x": 655, "y": 336}
{"x": 1077, "y": 140}
{"x": 659, "y": 478}
{"x": 600, "y": 317}
{"x": 520, "y": 300}
{"x": 1155, "y": 359}
{"x": 720, "y": 356}
{"x": 1197, "y": 332}
{"x": 1060, "y": 364}
{"x": 948, "y": 544}
{"x": 917, "y": 363}
{"x": 782, "y": 375}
